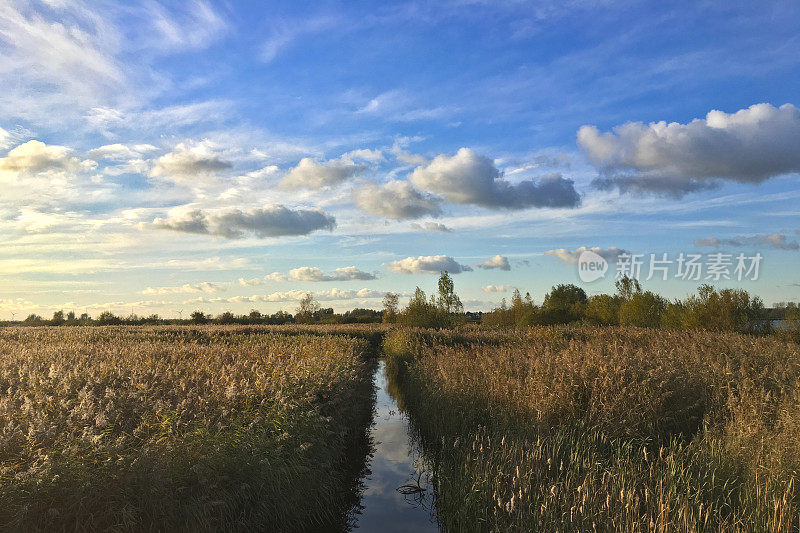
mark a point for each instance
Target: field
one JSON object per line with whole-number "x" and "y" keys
{"x": 582, "y": 429}
{"x": 174, "y": 428}
{"x": 266, "y": 428}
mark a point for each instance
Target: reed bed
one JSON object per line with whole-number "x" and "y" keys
{"x": 614, "y": 429}
{"x": 180, "y": 428}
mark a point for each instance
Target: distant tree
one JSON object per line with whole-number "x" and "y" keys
{"x": 281, "y": 317}
{"x": 420, "y": 312}
{"x": 448, "y": 301}
{"x": 58, "y": 318}
{"x": 107, "y": 318}
{"x": 33, "y": 320}
{"x": 390, "y": 306}
{"x": 226, "y": 318}
{"x": 627, "y": 287}
{"x": 564, "y": 303}
{"x": 85, "y": 317}
{"x": 152, "y": 319}
{"x": 199, "y": 317}
{"x": 643, "y": 309}
{"x": 255, "y": 317}
{"x": 308, "y": 310}
{"x": 724, "y": 310}
{"x": 71, "y": 318}
{"x": 603, "y": 309}
{"x": 521, "y": 313}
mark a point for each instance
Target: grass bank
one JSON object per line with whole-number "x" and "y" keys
{"x": 614, "y": 429}
{"x": 180, "y": 428}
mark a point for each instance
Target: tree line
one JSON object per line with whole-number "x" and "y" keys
{"x": 630, "y": 305}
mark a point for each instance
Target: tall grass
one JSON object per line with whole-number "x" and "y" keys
{"x": 605, "y": 429}
{"x": 179, "y": 428}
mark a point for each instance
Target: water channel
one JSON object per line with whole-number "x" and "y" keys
{"x": 396, "y": 489}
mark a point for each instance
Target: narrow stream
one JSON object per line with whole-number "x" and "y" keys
{"x": 397, "y": 492}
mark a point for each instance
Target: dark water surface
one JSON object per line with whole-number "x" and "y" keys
{"x": 397, "y": 493}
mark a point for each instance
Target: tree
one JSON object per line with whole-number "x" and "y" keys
{"x": 308, "y": 310}
{"x": 199, "y": 317}
{"x": 420, "y": 312}
{"x": 603, "y": 309}
{"x": 33, "y": 319}
{"x": 564, "y": 303}
{"x": 390, "y": 303}
{"x": 642, "y": 309}
{"x": 58, "y": 318}
{"x": 627, "y": 287}
{"x": 107, "y": 318}
{"x": 724, "y": 310}
{"x": 448, "y": 300}
{"x": 226, "y": 318}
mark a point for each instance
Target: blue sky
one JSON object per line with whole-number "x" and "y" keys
{"x": 165, "y": 156}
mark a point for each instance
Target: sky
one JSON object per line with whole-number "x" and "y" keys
{"x": 162, "y": 157}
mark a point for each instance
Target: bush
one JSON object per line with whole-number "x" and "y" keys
{"x": 643, "y": 309}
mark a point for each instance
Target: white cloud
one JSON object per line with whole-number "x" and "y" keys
{"x": 371, "y": 156}
{"x": 773, "y": 240}
{"x": 397, "y": 200}
{"x": 250, "y": 282}
{"x": 121, "y": 151}
{"x": 467, "y": 178}
{"x": 497, "y": 262}
{"x": 431, "y": 226}
{"x": 271, "y": 221}
{"x": 311, "y": 174}
{"x": 571, "y": 256}
{"x": 432, "y": 264}
{"x": 189, "y": 161}
{"x": 205, "y": 287}
{"x": 497, "y": 288}
{"x": 196, "y": 25}
{"x": 340, "y": 274}
{"x": 748, "y": 146}
{"x": 35, "y": 156}
{"x": 287, "y": 32}
{"x": 296, "y": 295}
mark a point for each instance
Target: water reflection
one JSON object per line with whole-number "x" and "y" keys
{"x": 397, "y": 492}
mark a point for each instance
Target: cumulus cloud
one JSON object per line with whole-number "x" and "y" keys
{"x": 205, "y": 287}
{"x": 271, "y": 221}
{"x": 121, "y": 151}
{"x": 397, "y": 200}
{"x": 773, "y": 240}
{"x": 467, "y": 178}
{"x": 188, "y": 161}
{"x": 497, "y": 288}
{"x": 310, "y": 174}
{"x": 36, "y": 156}
{"x": 571, "y": 256}
{"x": 372, "y": 156}
{"x": 497, "y": 262}
{"x": 340, "y": 274}
{"x": 432, "y": 264}
{"x": 431, "y": 226}
{"x": 296, "y": 295}
{"x": 748, "y": 146}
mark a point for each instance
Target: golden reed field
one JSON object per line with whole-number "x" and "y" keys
{"x": 263, "y": 428}
{"x": 614, "y": 429}
{"x": 174, "y": 428}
